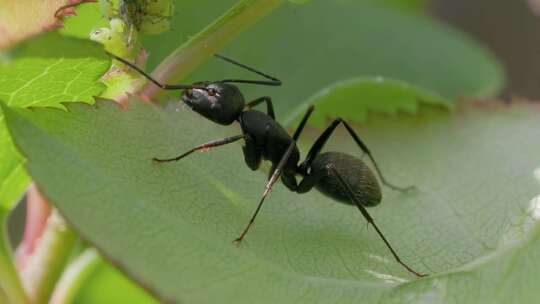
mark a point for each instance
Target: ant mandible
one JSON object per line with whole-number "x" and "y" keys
{"x": 343, "y": 177}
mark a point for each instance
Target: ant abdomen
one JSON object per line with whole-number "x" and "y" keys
{"x": 353, "y": 171}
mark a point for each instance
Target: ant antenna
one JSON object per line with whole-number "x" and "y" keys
{"x": 273, "y": 81}
{"x": 159, "y": 84}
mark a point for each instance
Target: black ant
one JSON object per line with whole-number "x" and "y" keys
{"x": 340, "y": 176}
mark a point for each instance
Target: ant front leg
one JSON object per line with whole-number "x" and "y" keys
{"x": 203, "y": 147}
{"x": 321, "y": 141}
{"x": 269, "y": 106}
{"x": 268, "y": 187}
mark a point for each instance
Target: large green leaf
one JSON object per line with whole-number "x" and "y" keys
{"x": 322, "y": 42}
{"x": 170, "y": 226}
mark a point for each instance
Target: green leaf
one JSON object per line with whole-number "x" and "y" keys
{"x": 41, "y": 75}
{"x": 171, "y": 226}
{"x": 323, "y": 42}
{"x": 88, "y": 18}
{"x": 353, "y": 99}
{"x": 13, "y": 178}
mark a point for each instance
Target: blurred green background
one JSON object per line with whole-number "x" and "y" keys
{"x": 509, "y": 28}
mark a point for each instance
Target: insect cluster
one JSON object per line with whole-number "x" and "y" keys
{"x": 344, "y": 178}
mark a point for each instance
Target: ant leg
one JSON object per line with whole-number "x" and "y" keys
{"x": 321, "y": 141}
{"x": 366, "y": 150}
{"x": 370, "y": 220}
{"x": 205, "y": 146}
{"x": 159, "y": 84}
{"x": 269, "y": 106}
{"x": 302, "y": 124}
{"x": 268, "y": 188}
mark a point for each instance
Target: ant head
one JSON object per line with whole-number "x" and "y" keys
{"x": 220, "y": 102}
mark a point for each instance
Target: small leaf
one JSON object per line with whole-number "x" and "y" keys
{"x": 88, "y": 18}
{"x": 354, "y": 99}
{"x": 39, "y": 75}
{"x": 170, "y": 226}
{"x": 13, "y": 178}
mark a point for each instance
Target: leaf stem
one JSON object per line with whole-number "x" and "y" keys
{"x": 10, "y": 284}
{"x": 74, "y": 276}
{"x": 191, "y": 54}
{"x": 48, "y": 260}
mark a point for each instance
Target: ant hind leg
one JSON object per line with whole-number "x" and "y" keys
{"x": 370, "y": 220}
